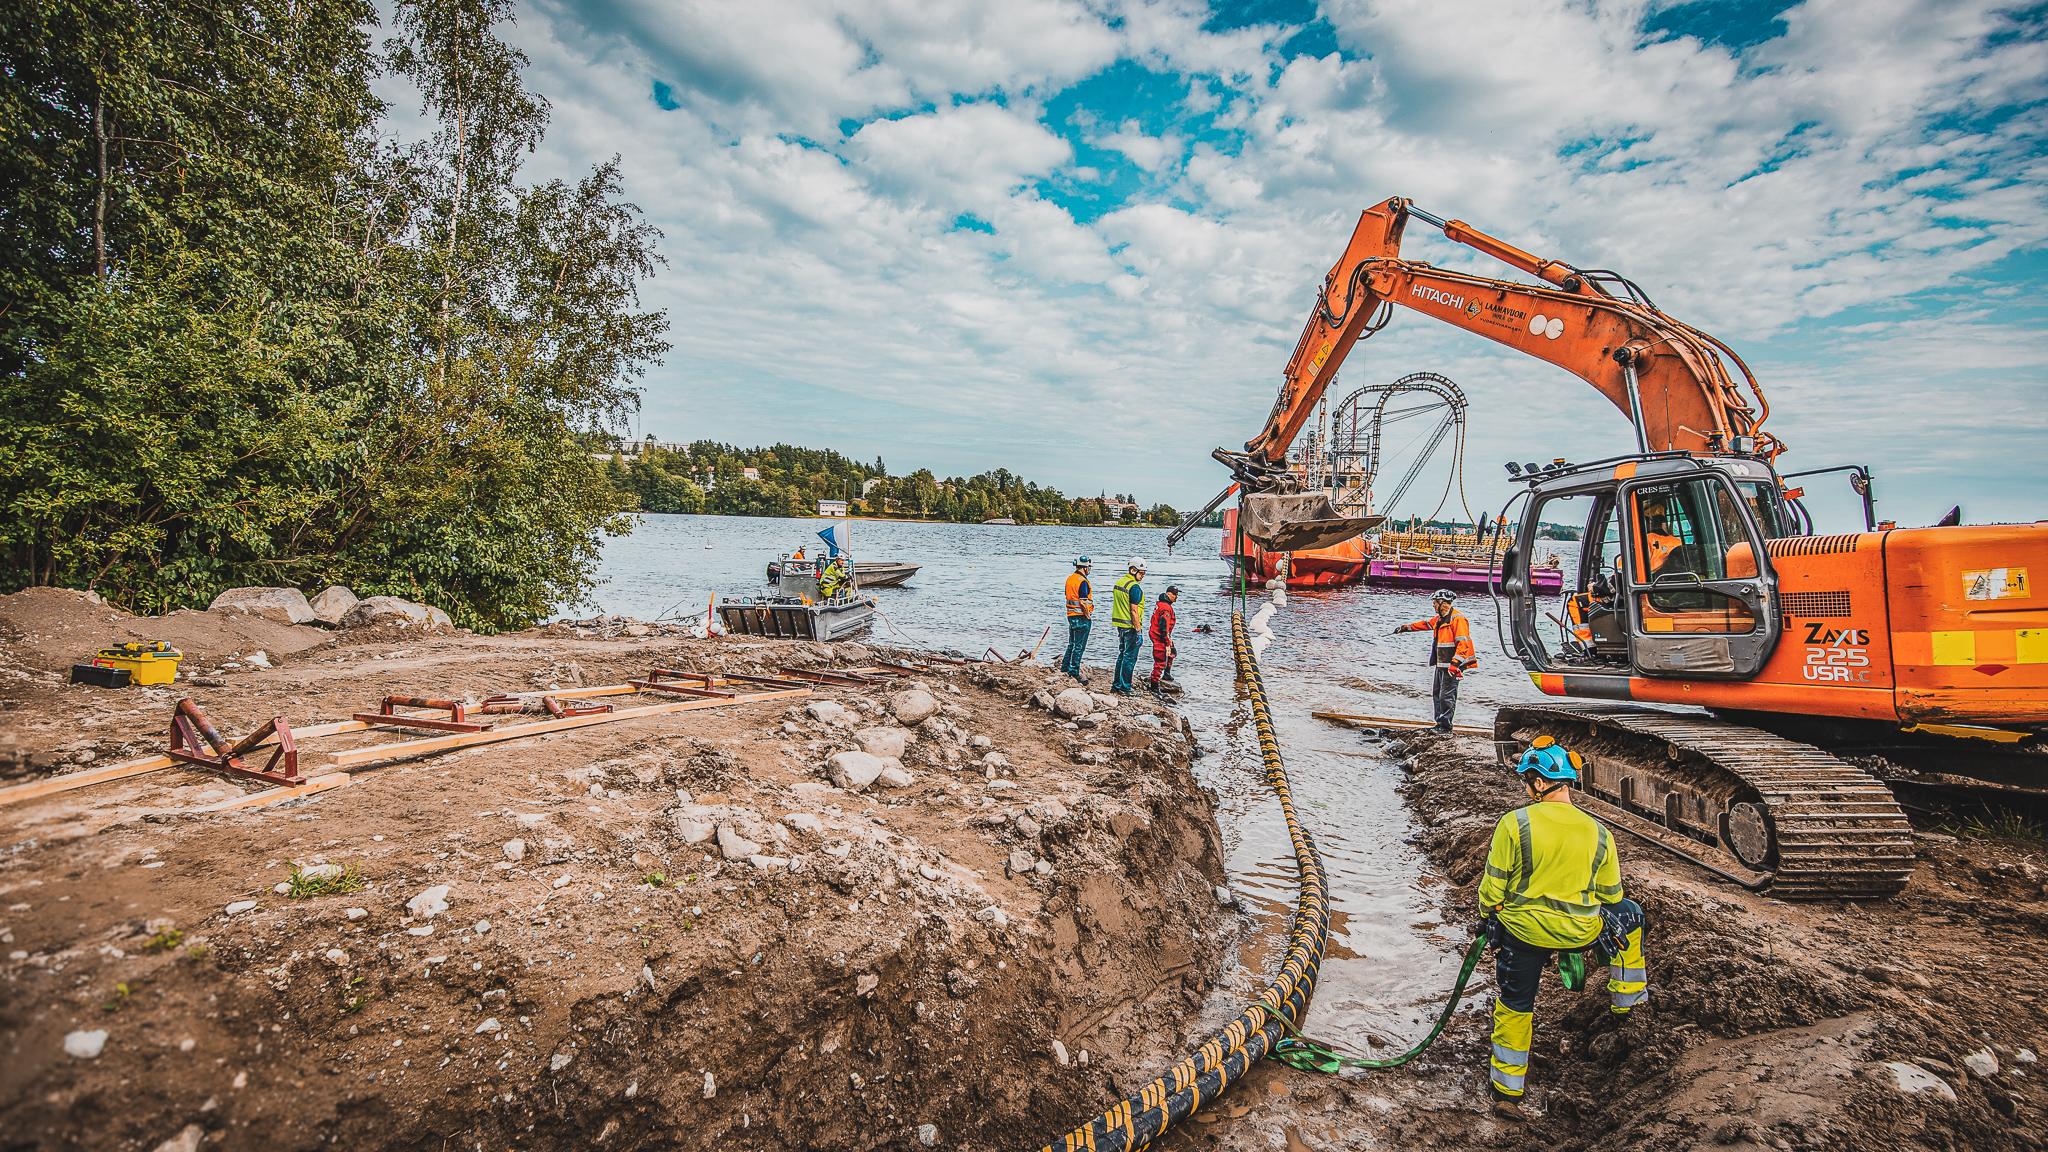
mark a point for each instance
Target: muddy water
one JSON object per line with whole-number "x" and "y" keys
{"x": 1389, "y": 959}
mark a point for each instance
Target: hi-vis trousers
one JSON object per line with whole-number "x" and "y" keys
{"x": 1518, "y": 964}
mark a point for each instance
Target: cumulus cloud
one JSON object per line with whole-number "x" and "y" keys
{"x": 874, "y": 242}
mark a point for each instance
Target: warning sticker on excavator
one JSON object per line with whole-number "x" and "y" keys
{"x": 1996, "y": 584}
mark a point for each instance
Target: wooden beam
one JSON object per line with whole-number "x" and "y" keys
{"x": 269, "y": 796}
{"x": 356, "y": 756}
{"x": 1356, "y": 720}
{"x": 50, "y": 786}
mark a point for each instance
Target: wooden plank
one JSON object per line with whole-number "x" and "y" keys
{"x": 50, "y": 786}
{"x": 356, "y": 756}
{"x": 1356, "y": 720}
{"x": 269, "y": 796}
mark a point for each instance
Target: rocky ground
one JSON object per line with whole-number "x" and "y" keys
{"x": 948, "y": 911}
{"x": 1909, "y": 1023}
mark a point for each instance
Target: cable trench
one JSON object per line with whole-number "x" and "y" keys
{"x": 1137, "y": 1120}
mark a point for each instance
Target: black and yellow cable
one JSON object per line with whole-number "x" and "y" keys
{"x": 1141, "y": 1118}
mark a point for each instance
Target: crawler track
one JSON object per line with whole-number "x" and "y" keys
{"x": 1765, "y": 811}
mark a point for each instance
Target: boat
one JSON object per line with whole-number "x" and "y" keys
{"x": 798, "y": 612}
{"x": 866, "y": 573}
{"x": 1460, "y": 561}
{"x": 1332, "y": 566}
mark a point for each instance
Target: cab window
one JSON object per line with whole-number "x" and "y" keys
{"x": 1683, "y": 534}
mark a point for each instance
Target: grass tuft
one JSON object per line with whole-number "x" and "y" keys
{"x": 302, "y": 886}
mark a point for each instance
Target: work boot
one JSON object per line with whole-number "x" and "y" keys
{"x": 1505, "y": 1107}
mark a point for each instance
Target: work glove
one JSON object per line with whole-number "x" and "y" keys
{"x": 1494, "y": 933}
{"x": 1397, "y": 631}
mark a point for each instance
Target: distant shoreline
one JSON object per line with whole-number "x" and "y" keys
{"x": 905, "y": 520}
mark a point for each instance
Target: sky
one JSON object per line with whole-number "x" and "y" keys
{"x": 1078, "y": 238}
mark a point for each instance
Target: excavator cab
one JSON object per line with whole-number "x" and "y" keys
{"x": 1672, "y": 581}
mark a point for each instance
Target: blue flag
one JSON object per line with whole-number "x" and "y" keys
{"x": 834, "y": 538}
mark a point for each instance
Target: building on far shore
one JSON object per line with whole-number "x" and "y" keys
{"x": 831, "y": 507}
{"x": 750, "y": 473}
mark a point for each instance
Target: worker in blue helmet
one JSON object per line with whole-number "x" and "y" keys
{"x": 1552, "y": 885}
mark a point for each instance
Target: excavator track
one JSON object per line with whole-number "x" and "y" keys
{"x": 1767, "y": 812}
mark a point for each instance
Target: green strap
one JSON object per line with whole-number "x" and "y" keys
{"x": 1309, "y": 1055}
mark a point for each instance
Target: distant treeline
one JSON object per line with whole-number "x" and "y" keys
{"x": 1545, "y": 531}
{"x": 712, "y": 478}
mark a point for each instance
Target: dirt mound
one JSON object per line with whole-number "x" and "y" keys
{"x": 668, "y": 932}
{"x": 1776, "y": 1025}
{"x": 50, "y": 629}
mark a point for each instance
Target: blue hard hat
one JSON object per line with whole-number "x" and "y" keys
{"x": 1549, "y": 760}
{"x": 1081, "y": 562}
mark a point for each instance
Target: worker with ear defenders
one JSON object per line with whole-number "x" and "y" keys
{"x": 1552, "y": 885}
{"x": 1451, "y": 656}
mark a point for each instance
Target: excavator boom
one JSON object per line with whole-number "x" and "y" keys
{"x": 1671, "y": 379}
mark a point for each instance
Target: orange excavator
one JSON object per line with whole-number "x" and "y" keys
{"x": 1921, "y": 653}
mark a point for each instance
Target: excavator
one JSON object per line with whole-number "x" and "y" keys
{"x": 1801, "y": 660}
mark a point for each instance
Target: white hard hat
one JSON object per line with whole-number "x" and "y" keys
{"x": 1138, "y": 564}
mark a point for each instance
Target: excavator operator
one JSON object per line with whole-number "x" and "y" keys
{"x": 1590, "y": 614}
{"x": 1658, "y": 538}
{"x": 1552, "y": 884}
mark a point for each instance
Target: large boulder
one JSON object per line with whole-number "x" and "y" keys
{"x": 854, "y": 771}
{"x": 333, "y": 603}
{"x": 395, "y": 612}
{"x": 913, "y": 706}
{"x": 283, "y": 605}
{"x": 1073, "y": 703}
{"x": 885, "y": 742}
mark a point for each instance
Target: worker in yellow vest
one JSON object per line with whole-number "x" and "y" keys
{"x": 1552, "y": 885}
{"x": 1127, "y": 612}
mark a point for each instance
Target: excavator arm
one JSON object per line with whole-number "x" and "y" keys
{"x": 1671, "y": 379}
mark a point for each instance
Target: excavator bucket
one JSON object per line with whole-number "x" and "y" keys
{"x": 1294, "y": 522}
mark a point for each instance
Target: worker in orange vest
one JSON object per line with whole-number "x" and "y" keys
{"x": 1450, "y": 656}
{"x": 1657, "y": 534}
{"x": 1080, "y": 617}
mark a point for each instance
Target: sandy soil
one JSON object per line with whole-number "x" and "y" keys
{"x": 1772, "y": 1025}
{"x": 884, "y": 960}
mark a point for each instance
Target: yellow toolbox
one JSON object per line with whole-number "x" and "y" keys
{"x": 147, "y": 663}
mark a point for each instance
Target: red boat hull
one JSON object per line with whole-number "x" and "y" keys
{"x": 1333, "y": 567}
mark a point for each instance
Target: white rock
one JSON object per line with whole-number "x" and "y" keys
{"x": 1102, "y": 703}
{"x": 430, "y": 903}
{"x": 888, "y": 743}
{"x": 895, "y": 776}
{"x": 1020, "y": 861}
{"x": 769, "y": 863}
{"x": 259, "y": 658}
{"x": 420, "y": 930}
{"x": 866, "y": 983}
{"x": 561, "y": 881}
{"x": 827, "y": 711}
{"x": 996, "y": 761}
{"x": 1913, "y": 1080}
{"x": 928, "y": 1135}
{"x": 83, "y": 1045}
{"x": 280, "y": 605}
{"x": 489, "y": 1025}
{"x": 281, "y": 888}
{"x": 333, "y": 603}
{"x": 2024, "y": 1056}
{"x": 1091, "y": 720}
{"x": 855, "y": 770}
{"x": 336, "y": 957}
{"x": 695, "y": 826}
{"x": 560, "y": 1060}
{"x": 241, "y": 906}
{"x": 1073, "y": 702}
{"x": 980, "y": 743}
{"x": 1981, "y": 1063}
{"x": 514, "y": 849}
{"x": 357, "y": 913}
{"x": 1043, "y": 867}
{"x": 734, "y": 846}
{"x": 710, "y": 1086}
{"x": 481, "y": 927}
{"x": 1059, "y": 1053}
{"x": 993, "y": 916}
{"x": 531, "y": 819}
{"x": 913, "y": 706}
{"x": 187, "y": 1140}
{"x": 1049, "y": 811}
{"x": 321, "y": 872}
{"x": 805, "y": 822}
{"x": 1224, "y": 896}
{"x": 1026, "y": 826}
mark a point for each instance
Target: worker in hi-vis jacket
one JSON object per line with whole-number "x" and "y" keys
{"x": 1450, "y": 655}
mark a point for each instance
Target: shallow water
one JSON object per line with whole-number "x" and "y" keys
{"x": 1002, "y": 586}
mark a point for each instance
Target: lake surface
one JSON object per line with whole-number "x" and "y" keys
{"x": 986, "y": 586}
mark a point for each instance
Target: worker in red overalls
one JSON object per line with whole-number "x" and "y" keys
{"x": 1162, "y": 637}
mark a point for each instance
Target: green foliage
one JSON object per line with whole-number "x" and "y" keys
{"x": 300, "y": 886}
{"x": 164, "y": 941}
{"x": 710, "y": 477}
{"x": 249, "y": 340}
